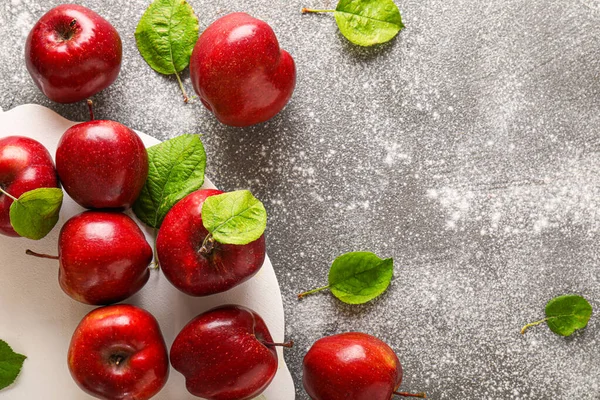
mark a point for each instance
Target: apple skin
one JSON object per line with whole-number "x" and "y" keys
{"x": 222, "y": 354}
{"x": 239, "y": 71}
{"x": 118, "y": 353}
{"x": 351, "y": 366}
{"x": 104, "y": 257}
{"x": 25, "y": 164}
{"x": 178, "y": 243}
{"x": 102, "y": 164}
{"x": 71, "y": 63}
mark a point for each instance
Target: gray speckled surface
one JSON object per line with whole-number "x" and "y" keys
{"x": 468, "y": 149}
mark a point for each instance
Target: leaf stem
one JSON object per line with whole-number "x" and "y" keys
{"x": 8, "y": 194}
{"x": 185, "y": 96}
{"x": 536, "y": 323}
{"x": 308, "y": 10}
{"x": 304, "y": 294}
{"x": 90, "y": 105}
{"x": 40, "y": 255}
{"x": 419, "y": 395}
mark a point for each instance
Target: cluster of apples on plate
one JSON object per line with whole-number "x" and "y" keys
{"x": 118, "y": 351}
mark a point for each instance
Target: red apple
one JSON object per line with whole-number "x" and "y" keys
{"x": 196, "y": 272}
{"x": 25, "y": 165}
{"x": 239, "y": 71}
{"x": 102, "y": 164}
{"x": 352, "y": 366}
{"x": 226, "y": 353}
{"x": 104, "y": 257}
{"x": 72, "y": 53}
{"x": 118, "y": 353}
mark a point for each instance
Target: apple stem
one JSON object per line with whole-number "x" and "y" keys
{"x": 185, "y": 96}
{"x": 8, "y": 194}
{"x": 304, "y": 294}
{"x": 155, "y": 264}
{"x": 419, "y": 395}
{"x": 40, "y": 255}
{"x": 90, "y": 104}
{"x": 308, "y": 10}
{"x": 536, "y": 323}
{"x": 288, "y": 345}
{"x": 207, "y": 245}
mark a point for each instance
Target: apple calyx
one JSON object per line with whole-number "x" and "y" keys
{"x": 66, "y": 32}
{"x": 117, "y": 359}
{"x": 419, "y": 395}
{"x": 40, "y": 255}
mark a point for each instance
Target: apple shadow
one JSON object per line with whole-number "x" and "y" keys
{"x": 361, "y": 53}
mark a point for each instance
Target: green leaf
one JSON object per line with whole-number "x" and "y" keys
{"x": 10, "y": 364}
{"x": 234, "y": 217}
{"x": 176, "y": 169}
{"x": 368, "y": 22}
{"x": 166, "y": 35}
{"x": 565, "y": 314}
{"x": 359, "y": 277}
{"x": 36, "y": 212}
{"x": 568, "y": 313}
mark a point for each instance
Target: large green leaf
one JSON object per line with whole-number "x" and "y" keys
{"x": 166, "y": 35}
{"x": 176, "y": 169}
{"x": 235, "y": 217}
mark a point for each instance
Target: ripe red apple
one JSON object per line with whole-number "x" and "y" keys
{"x": 352, "y": 366}
{"x": 25, "y": 165}
{"x": 239, "y": 71}
{"x": 104, "y": 257}
{"x": 72, "y": 53}
{"x": 226, "y": 353}
{"x": 118, "y": 353}
{"x": 102, "y": 164}
{"x": 199, "y": 272}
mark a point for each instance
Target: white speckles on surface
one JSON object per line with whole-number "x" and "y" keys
{"x": 468, "y": 149}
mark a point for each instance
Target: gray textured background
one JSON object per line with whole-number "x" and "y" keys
{"x": 468, "y": 149}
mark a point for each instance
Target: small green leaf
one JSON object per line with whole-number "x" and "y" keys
{"x": 166, "y": 35}
{"x": 36, "y": 212}
{"x": 565, "y": 314}
{"x": 368, "y": 22}
{"x": 234, "y": 217}
{"x": 10, "y": 364}
{"x": 568, "y": 313}
{"x": 176, "y": 169}
{"x": 359, "y": 277}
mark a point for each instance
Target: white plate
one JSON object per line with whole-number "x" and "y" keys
{"x": 37, "y": 319}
